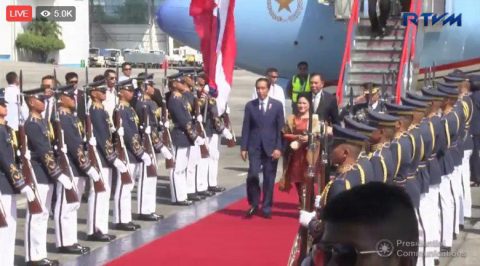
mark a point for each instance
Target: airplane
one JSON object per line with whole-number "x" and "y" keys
{"x": 272, "y": 35}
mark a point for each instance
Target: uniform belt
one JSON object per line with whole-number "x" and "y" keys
{"x": 410, "y": 177}
{"x": 422, "y": 164}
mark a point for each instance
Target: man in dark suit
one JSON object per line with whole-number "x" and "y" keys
{"x": 263, "y": 122}
{"x": 324, "y": 104}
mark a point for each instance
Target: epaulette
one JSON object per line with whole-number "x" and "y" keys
{"x": 176, "y": 94}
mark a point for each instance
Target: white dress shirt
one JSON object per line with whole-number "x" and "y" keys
{"x": 11, "y": 96}
{"x": 265, "y": 104}
{"x": 276, "y": 92}
{"x": 49, "y": 103}
{"x": 374, "y": 105}
{"x": 316, "y": 100}
{"x": 110, "y": 101}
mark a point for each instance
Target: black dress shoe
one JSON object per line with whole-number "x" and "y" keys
{"x": 184, "y": 203}
{"x": 43, "y": 262}
{"x": 445, "y": 249}
{"x": 99, "y": 237}
{"x": 137, "y": 226}
{"x": 216, "y": 189}
{"x": 74, "y": 249}
{"x": 462, "y": 227}
{"x": 251, "y": 212}
{"x": 194, "y": 197}
{"x": 125, "y": 227}
{"x": 437, "y": 262}
{"x": 153, "y": 217}
{"x": 206, "y": 193}
{"x": 267, "y": 215}
{"x": 454, "y": 236}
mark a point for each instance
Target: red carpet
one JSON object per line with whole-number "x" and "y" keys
{"x": 226, "y": 238}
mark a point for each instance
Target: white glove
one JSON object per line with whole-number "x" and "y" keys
{"x": 28, "y": 192}
{"x": 65, "y": 181}
{"x": 199, "y": 141}
{"x": 166, "y": 124}
{"x": 146, "y": 159}
{"x": 166, "y": 153}
{"x": 227, "y": 110}
{"x": 317, "y": 201}
{"x": 120, "y": 131}
{"x": 227, "y": 134}
{"x": 27, "y": 155}
{"x": 92, "y": 141}
{"x": 93, "y": 174}
{"x": 306, "y": 217}
{"x": 148, "y": 130}
{"x": 122, "y": 168}
{"x": 64, "y": 148}
{"x": 200, "y": 118}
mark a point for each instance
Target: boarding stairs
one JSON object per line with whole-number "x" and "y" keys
{"x": 384, "y": 60}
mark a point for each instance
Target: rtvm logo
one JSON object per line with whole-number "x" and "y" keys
{"x": 434, "y": 18}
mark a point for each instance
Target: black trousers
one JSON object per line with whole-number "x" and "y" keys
{"x": 376, "y": 21}
{"x": 475, "y": 160}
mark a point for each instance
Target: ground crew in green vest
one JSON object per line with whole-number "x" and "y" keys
{"x": 298, "y": 84}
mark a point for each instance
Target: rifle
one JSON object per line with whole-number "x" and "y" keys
{"x": 166, "y": 137}
{"x": 35, "y": 206}
{"x": 350, "y": 111}
{"x": 120, "y": 147}
{"x": 71, "y": 195}
{"x": 147, "y": 140}
{"x": 302, "y": 240}
{"x": 199, "y": 128}
{"x": 99, "y": 185}
{"x": 3, "y": 214}
{"x": 228, "y": 124}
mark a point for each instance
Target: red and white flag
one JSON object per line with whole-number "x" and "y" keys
{"x": 215, "y": 25}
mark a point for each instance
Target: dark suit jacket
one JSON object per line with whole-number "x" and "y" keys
{"x": 263, "y": 131}
{"x": 328, "y": 108}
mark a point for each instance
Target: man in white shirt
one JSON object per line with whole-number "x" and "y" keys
{"x": 111, "y": 94}
{"x": 126, "y": 72}
{"x": 12, "y": 91}
{"x": 276, "y": 91}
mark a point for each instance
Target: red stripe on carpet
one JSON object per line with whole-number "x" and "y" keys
{"x": 226, "y": 238}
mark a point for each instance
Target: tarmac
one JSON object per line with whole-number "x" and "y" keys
{"x": 232, "y": 175}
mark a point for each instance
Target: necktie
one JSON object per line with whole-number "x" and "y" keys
{"x": 263, "y": 107}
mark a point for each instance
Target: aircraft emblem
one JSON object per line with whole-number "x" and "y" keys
{"x": 288, "y": 10}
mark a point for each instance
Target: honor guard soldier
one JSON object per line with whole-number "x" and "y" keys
{"x": 444, "y": 156}
{"x": 468, "y": 108}
{"x": 421, "y": 130}
{"x": 363, "y": 159}
{"x": 47, "y": 172}
{"x": 429, "y": 207}
{"x": 194, "y": 157}
{"x": 380, "y": 153}
{"x": 102, "y": 129}
{"x": 465, "y": 103}
{"x": 407, "y": 152}
{"x": 66, "y": 213}
{"x": 127, "y": 123}
{"x": 11, "y": 182}
{"x": 454, "y": 123}
{"x": 475, "y": 130}
{"x": 207, "y": 168}
{"x": 147, "y": 111}
{"x": 184, "y": 137}
{"x": 347, "y": 145}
